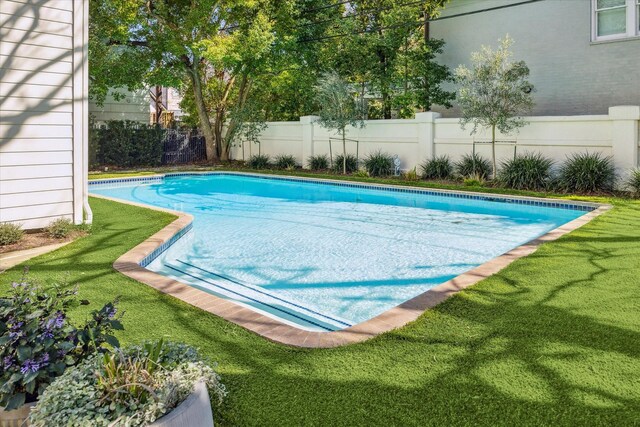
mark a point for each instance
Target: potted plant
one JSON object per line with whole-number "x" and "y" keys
{"x": 37, "y": 343}
{"x": 160, "y": 384}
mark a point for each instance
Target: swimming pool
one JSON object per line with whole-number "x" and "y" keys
{"x": 324, "y": 256}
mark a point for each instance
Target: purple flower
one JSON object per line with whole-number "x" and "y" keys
{"x": 111, "y": 312}
{"x": 30, "y": 365}
{"x": 59, "y": 320}
{"x": 56, "y": 322}
{"x": 46, "y": 335}
{"x": 15, "y": 335}
{"x": 44, "y": 360}
{"x": 16, "y": 326}
{"x": 7, "y": 362}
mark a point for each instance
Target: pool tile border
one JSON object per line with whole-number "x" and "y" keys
{"x": 131, "y": 265}
{"x": 500, "y": 198}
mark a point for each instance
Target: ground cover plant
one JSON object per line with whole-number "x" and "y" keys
{"x": 379, "y": 164}
{"x": 10, "y": 233}
{"x": 318, "y": 163}
{"x": 555, "y": 337}
{"x": 587, "y": 173}
{"x": 473, "y": 165}
{"x": 37, "y": 342}
{"x": 633, "y": 182}
{"x": 348, "y": 163}
{"x": 439, "y": 167}
{"x": 285, "y": 161}
{"x": 259, "y": 161}
{"x": 133, "y": 386}
{"x": 529, "y": 171}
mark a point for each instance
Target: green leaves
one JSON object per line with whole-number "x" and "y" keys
{"x": 339, "y": 105}
{"x": 494, "y": 93}
{"x": 495, "y": 90}
{"x": 37, "y": 342}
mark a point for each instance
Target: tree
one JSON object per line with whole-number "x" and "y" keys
{"x": 424, "y": 76}
{"x": 213, "y": 48}
{"x": 340, "y": 108}
{"x": 494, "y": 93}
{"x": 384, "y": 50}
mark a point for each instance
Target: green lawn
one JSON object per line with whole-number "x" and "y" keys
{"x": 118, "y": 174}
{"x": 554, "y": 339}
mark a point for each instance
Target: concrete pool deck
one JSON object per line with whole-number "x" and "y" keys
{"x": 273, "y": 329}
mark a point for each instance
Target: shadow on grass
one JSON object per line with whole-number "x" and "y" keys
{"x": 554, "y": 339}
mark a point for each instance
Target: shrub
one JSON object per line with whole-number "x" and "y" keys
{"x": 318, "y": 163}
{"x": 259, "y": 161}
{"x": 361, "y": 173}
{"x": 531, "y": 171}
{"x": 411, "y": 175}
{"x": 437, "y": 168}
{"x": 37, "y": 342}
{"x": 127, "y": 143}
{"x": 587, "y": 173}
{"x": 352, "y": 163}
{"x": 10, "y": 233}
{"x": 473, "y": 165}
{"x": 379, "y": 164}
{"x": 633, "y": 182}
{"x": 474, "y": 181}
{"x": 285, "y": 161}
{"x": 133, "y": 387}
{"x": 60, "y": 228}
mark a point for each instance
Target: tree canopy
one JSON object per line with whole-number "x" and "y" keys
{"x": 248, "y": 61}
{"x": 495, "y": 92}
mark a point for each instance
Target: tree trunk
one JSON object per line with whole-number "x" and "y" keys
{"x": 386, "y": 105}
{"x": 344, "y": 153}
{"x": 203, "y": 115}
{"x": 223, "y": 149}
{"x": 493, "y": 148}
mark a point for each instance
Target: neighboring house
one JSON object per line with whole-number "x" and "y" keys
{"x": 134, "y": 106}
{"x": 168, "y": 99}
{"x": 584, "y": 55}
{"x": 43, "y": 111}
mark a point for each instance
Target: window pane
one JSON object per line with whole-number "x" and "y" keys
{"x": 612, "y": 22}
{"x": 610, "y": 3}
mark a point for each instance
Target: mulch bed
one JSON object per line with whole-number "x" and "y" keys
{"x": 36, "y": 239}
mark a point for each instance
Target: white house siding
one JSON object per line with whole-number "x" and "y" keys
{"x": 43, "y": 110}
{"x": 135, "y": 106}
{"x": 572, "y": 75}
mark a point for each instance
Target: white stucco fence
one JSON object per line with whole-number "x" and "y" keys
{"x": 428, "y": 135}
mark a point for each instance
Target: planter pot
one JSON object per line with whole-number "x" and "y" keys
{"x": 16, "y": 418}
{"x": 195, "y": 411}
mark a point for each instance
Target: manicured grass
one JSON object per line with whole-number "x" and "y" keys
{"x": 123, "y": 174}
{"x": 554, "y": 339}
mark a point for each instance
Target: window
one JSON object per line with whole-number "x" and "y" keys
{"x": 615, "y": 19}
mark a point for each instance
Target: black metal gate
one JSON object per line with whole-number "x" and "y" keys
{"x": 183, "y": 146}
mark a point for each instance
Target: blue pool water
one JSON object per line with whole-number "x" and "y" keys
{"x": 324, "y": 257}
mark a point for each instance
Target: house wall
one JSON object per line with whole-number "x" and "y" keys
{"x": 615, "y": 134}
{"x": 43, "y": 110}
{"x": 135, "y": 106}
{"x": 572, "y": 75}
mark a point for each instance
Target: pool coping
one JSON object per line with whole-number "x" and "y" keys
{"x": 272, "y": 329}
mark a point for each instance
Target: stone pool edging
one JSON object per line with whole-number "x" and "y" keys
{"x": 129, "y": 264}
